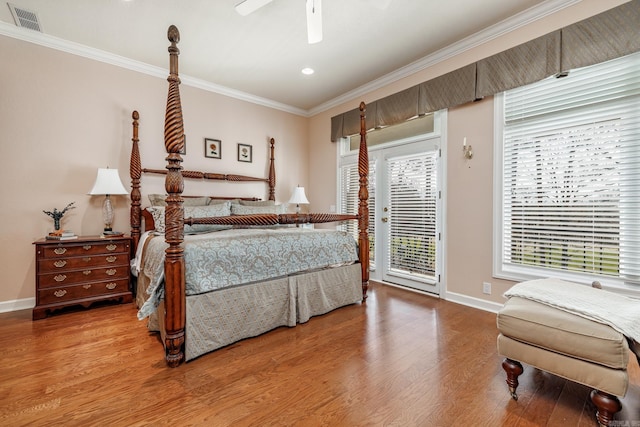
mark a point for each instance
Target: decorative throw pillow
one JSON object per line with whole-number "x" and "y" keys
{"x": 252, "y": 210}
{"x": 221, "y": 201}
{"x": 223, "y": 209}
{"x": 196, "y": 201}
{"x": 160, "y": 200}
{"x": 157, "y": 212}
{"x": 258, "y": 202}
{"x": 220, "y": 209}
{"x": 157, "y": 199}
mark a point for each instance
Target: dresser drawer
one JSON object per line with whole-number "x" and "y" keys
{"x": 82, "y": 271}
{"x": 73, "y": 293}
{"x": 83, "y": 249}
{"x": 89, "y": 274}
{"x": 51, "y": 265}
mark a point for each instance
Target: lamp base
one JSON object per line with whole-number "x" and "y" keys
{"x": 107, "y": 213}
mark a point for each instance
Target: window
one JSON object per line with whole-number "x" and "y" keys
{"x": 568, "y": 177}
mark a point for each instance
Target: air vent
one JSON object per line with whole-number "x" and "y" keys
{"x": 25, "y": 18}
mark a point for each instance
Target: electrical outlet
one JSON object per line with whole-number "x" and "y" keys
{"x": 486, "y": 288}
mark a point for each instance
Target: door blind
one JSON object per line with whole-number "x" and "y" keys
{"x": 412, "y": 214}
{"x": 571, "y": 172}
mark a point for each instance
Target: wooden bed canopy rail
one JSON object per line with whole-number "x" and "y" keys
{"x": 174, "y": 265}
{"x": 271, "y": 180}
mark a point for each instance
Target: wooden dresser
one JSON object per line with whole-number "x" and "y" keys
{"x": 80, "y": 272}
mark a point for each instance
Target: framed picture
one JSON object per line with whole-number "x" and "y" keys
{"x": 213, "y": 148}
{"x": 245, "y": 153}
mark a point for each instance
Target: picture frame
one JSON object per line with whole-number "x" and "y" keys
{"x": 245, "y": 153}
{"x": 213, "y": 148}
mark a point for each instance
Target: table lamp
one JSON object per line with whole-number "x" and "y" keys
{"x": 299, "y": 198}
{"x": 107, "y": 183}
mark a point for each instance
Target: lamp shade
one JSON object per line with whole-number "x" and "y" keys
{"x": 298, "y": 197}
{"x": 108, "y": 182}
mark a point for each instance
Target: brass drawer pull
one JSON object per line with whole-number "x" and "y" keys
{"x": 86, "y": 259}
{"x": 112, "y": 258}
{"x": 59, "y": 278}
{"x": 60, "y": 263}
{"x": 87, "y": 286}
{"x": 86, "y": 272}
{"x": 86, "y": 247}
{"x": 111, "y": 286}
{"x": 60, "y": 293}
{"x": 112, "y": 247}
{"x": 111, "y": 272}
{"x": 60, "y": 251}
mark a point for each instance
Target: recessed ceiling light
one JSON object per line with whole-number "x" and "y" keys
{"x": 307, "y": 71}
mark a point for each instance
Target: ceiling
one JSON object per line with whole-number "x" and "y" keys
{"x": 261, "y": 55}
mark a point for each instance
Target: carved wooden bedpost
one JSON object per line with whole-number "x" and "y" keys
{"x": 135, "y": 171}
{"x": 175, "y": 304}
{"x": 363, "y": 206}
{"x": 272, "y": 172}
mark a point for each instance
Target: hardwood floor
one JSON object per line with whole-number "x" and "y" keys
{"x": 403, "y": 359}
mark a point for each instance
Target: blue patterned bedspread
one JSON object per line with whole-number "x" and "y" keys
{"x": 232, "y": 257}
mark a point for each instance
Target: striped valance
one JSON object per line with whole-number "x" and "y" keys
{"x": 609, "y": 35}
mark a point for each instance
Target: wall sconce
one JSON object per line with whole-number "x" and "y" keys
{"x": 107, "y": 183}
{"x": 467, "y": 151}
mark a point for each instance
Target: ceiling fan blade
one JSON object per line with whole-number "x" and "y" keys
{"x": 249, "y": 6}
{"x": 314, "y": 21}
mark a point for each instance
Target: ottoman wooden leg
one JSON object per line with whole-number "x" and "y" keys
{"x": 513, "y": 370}
{"x": 606, "y": 404}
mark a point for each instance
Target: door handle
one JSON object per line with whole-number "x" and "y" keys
{"x": 385, "y": 219}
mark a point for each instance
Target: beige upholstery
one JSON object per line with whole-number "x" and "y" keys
{"x": 566, "y": 345}
{"x": 562, "y": 332}
{"x": 612, "y": 381}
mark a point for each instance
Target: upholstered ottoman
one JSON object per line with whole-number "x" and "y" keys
{"x": 546, "y": 324}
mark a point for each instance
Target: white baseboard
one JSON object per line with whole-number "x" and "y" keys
{"x": 478, "y": 303}
{"x": 17, "y": 304}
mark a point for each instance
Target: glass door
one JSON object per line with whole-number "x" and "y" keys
{"x": 407, "y": 220}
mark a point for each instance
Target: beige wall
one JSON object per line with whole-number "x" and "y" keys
{"x": 469, "y": 197}
{"x": 63, "y": 116}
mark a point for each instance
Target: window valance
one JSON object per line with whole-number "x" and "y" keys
{"x": 602, "y": 37}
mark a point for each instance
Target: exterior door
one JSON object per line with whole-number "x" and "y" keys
{"x": 406, "y": 218}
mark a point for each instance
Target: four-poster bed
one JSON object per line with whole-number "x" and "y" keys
{"x": 239, "y": 309}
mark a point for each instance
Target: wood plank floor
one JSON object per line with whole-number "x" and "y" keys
{"x": 402, "y": 359}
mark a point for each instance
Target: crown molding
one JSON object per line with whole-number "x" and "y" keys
{"x": 524, "y": 18}
{"x": 508, "y": 25}
{"x": 73, "y": 48}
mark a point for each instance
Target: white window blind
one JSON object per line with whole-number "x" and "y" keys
{"x": 412, "y": 214}
{"x": 571, "y": 174}
{"x": 349, "y": 188}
